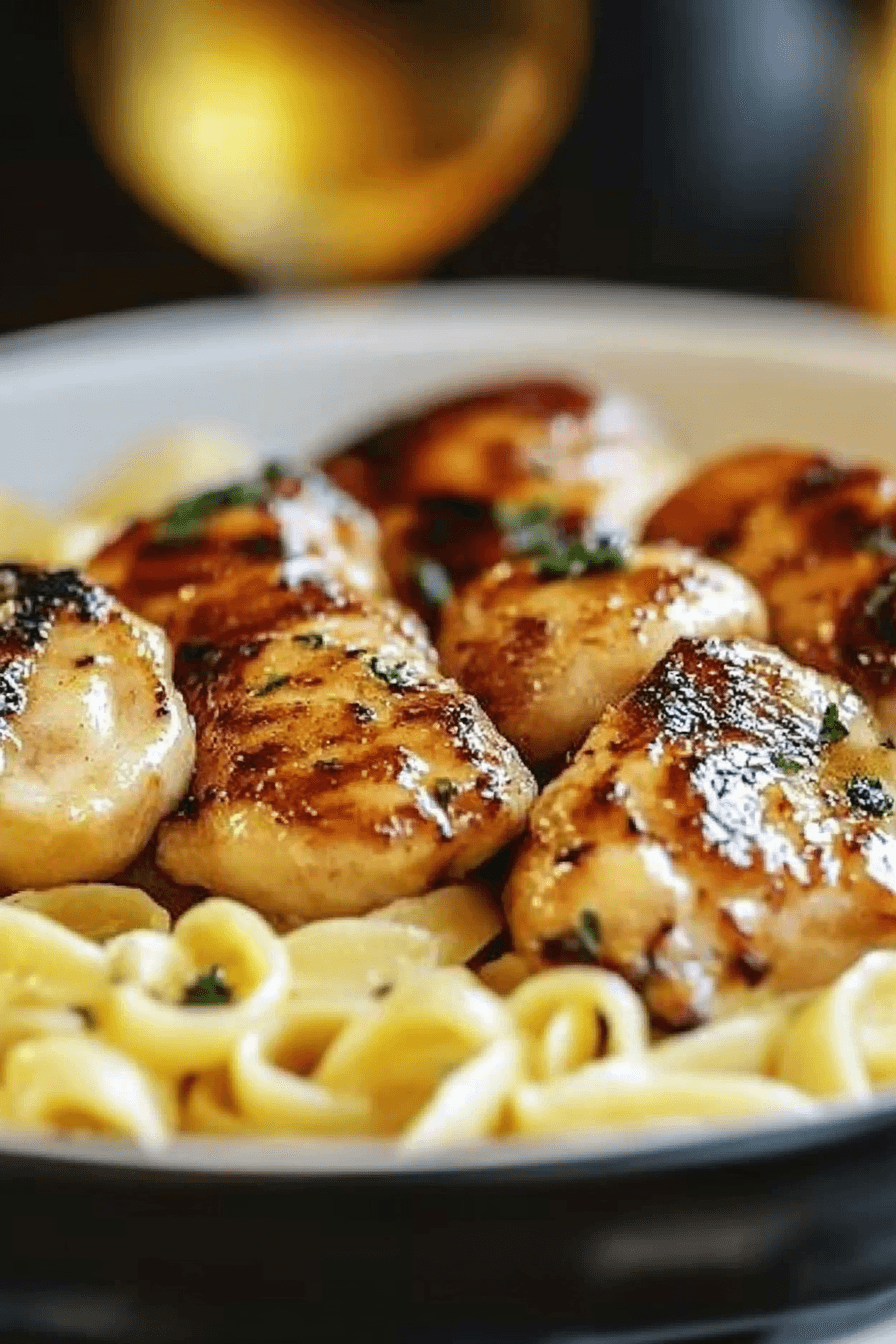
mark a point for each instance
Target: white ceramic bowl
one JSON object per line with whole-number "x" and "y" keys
{"x": 764, "y": 1204}
{"x": 301, "y": 375}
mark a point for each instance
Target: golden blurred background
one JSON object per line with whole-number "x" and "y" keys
{"x": 166, "y": 149}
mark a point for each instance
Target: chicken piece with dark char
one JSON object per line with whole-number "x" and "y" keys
{"x": 726, "y": 832}
{"x": 95, "y": 742}
{"x": 819, "y": 542}
{"x": 336, "y": 768}
{"x": 443, "y": 480}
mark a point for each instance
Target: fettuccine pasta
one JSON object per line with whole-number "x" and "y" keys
{"x": 369, "y": 1028}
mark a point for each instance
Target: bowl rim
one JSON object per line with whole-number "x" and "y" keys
{"x": 438, "y": 317}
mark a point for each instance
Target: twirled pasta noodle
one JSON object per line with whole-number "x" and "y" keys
{"x": 372, "y": 1027}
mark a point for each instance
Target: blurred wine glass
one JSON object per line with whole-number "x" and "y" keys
{"x": 321, "y": 141}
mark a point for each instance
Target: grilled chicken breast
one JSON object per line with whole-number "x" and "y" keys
{"x": 545, "y": 655}
{"x": 226, "y": 543}
{"x": 727, "y": 828}
{"x": 819, "y": 542}
{"x": 336, "y": 768}
{"x": 95, "y": 743}
{"x": 442, "y": 482}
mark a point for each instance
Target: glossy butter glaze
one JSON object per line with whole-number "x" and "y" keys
{"x": 336, "y": 768}
{"x": 95, "y": 743}
{"x": 713, "y": 824}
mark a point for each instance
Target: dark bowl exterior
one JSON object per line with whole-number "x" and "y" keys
{"x": 776, "y": 1229}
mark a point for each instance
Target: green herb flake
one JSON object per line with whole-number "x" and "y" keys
{"x": 528, "y": 529}
{"x": 208, "y": 990}
{"x": 590, "y": 933}
{"x": 187, "y": 519}
{"x": 444, "y": 790}
{"x": 786, "y": 764}
{"x": 572, "y": 559}
{"x": 273, "y": 473}
{"x": 512, "y": 518}
{"x": 397, "y": 676}
{"x": 313, "y": 640}
{"x": 868, "y": 795}
{"x": 273, "y": 685}
{"x": 833, "y": 729}
{"x": 434, "y": 581}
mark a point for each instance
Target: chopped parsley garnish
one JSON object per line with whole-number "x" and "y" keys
{"x": 434, "y": 581}
{"x": 208, "y": 990}
{"x": 274, "y": 473}
{"x": 443, "y": 790}
{"x": 525, "y": 528}
{"x": 833, "y": 729}
{"x": 868, "y": 795}
{"x": 314, "y": 640}
{"x": 786, "y": 764}
{"x": 273, "y": 685}
{"x": 397, "y": 676}
{"x": 563, "y": 560}
{"x": 539, "y": 533}
{"x": 590, "y": 933}
{"x": 880, "y": 540}
{"x": 187, "y": 519}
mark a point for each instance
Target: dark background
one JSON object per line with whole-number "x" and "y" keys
{"x": 703, "y": 154}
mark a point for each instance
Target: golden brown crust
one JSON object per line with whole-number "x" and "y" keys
{"x": 305, "y": 528}
{"x": 544, "y": 656}
{"x": 819, "y": 542}
{"x": 336, "y": 769}
{"x": 709, "y": 509}
{"x": 722, "y": 837}
{"x": 434, "y": 479}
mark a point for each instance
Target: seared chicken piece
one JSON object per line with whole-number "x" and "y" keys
{"x": 819, "y": 541}
{"x": 544, "y": 655}
{"x": 256, "y": 534}
{"x": 336, "y": 769}
{"x": 444, "y": 482}
{"x": 709, "y": 510}
{"x": 95, "y": 743}
{"x": 727, "y": 829}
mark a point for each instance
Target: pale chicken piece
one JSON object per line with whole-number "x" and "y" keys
{"x": 819, "y": 542}
{"x": 336, "y": 770}
{"x": 95, "y": 742}
{"x": 726, "y": 831}
{"x": 545, "y": 655}
{"x": 442, "y": 481}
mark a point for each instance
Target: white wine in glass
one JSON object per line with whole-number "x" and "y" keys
{"x": 322, "y": 141}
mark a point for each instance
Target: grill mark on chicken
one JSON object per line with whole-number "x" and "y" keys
{"x": 819, "y": 541}
{"x": 31, "y": 601}
{"x": 305, "y": 529}
{"x": 751, "y": 866}
{"x": 97, "y": 746}
{"x": 437, "y": 480}
{"x": 375, "y": 470}
{"x": 336, "y": 768}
